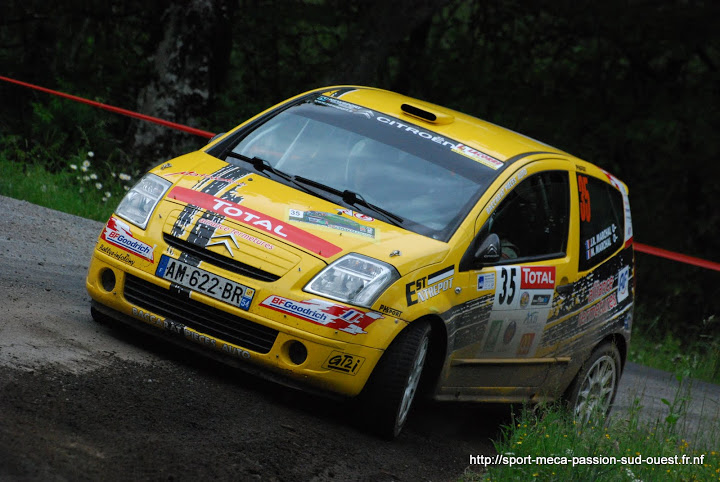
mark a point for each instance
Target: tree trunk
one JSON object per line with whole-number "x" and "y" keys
{"x": 189, "y": 63}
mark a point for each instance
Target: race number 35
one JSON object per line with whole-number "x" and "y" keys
{"x": 508, "y": 282}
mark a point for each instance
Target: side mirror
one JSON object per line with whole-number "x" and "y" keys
{"x": 489, "y": 250}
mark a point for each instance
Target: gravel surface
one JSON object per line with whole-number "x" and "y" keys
{"x": 84, "y": 401}
{"x": 80, "y": 400}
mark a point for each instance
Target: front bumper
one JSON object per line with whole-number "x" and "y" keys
{"x": 245, "y": 339}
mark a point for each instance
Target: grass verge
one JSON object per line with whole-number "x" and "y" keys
{"x": 625, "y": 449}
{"x": 699, "y": 360}
{"x": 77, "y": 189}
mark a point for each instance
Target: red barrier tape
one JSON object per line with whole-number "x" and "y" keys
{"x": 117, "y": 110}
{"x": 639, "y": 247}
{"x": 682, "y": 258}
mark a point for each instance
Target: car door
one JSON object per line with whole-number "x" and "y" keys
{"x": 601, "y": 300}
{"x": 503, "y": 346}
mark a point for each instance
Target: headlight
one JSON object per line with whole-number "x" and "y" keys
{"x": 138, "y": 204}
{"x": 354, "y": 279}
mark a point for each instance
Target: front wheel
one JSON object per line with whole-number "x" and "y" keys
{"x": 388, "y": 396}
{"x": 591, "y": 394}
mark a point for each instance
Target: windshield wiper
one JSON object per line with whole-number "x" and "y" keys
{"x": 349, "y": 197}
{"x": 261, "y": 166}
{"x": 355, "y": 199}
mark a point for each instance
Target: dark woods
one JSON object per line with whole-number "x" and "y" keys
{"x": 630, "y": 85}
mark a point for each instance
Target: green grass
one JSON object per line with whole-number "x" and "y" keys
{"x": 585, "y": 453}
{"x": 699, "y": 360}
{"x": 73, "y": 191}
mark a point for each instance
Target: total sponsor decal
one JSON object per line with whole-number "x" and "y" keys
{"x": 428, "y": 287}
{"x": 175, "y": 328}
{"x": 538, "y": 278}
{"x": 338, "y": 317}
{"x": 118, "y": 233}
{"x": 256, "y": 220}
{"x": 344, "y": 362}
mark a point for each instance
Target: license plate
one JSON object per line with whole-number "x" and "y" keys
{"x": 204, "y": 282}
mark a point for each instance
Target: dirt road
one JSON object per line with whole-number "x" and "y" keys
{"x": 79, "y": 400}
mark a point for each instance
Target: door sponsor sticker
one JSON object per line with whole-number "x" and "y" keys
{"x": 517, "y": 285}
{"x": 522, "y": 299}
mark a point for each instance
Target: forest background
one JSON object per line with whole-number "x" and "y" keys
{"x": 631, "y": 85}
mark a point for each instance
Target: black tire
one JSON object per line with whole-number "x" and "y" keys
{"x": 591, "y": 394}
{"x": 388, "y": 395}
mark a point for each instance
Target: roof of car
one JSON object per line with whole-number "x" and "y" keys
{"x": 499, "y": 142}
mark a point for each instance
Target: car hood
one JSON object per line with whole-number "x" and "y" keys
{"x": 238, "y": 199}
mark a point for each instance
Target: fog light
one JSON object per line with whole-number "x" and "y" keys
{"x": 297, "y": 353}
{"x": 107, "y": 279}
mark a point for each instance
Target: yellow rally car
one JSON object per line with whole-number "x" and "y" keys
{"x": 368, "y": 244}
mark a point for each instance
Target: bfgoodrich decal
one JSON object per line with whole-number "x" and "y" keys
{"x": 118, "y": 233}
{"x": 339, "y": 317}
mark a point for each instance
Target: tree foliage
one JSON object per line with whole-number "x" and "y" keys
{"x": 630, "y": 85}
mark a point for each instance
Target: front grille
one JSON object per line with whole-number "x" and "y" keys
{"x": 219, "y": 260}
{"x": 199, "y": 316}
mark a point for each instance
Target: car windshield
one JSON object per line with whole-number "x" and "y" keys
{"x": 399, "y": 167}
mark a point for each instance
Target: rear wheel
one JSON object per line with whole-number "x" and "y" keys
{"x": 390, "y": 392}
{"x": 591, "y": 394}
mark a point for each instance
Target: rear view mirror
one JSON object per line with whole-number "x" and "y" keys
{"x": 489, "y": 250}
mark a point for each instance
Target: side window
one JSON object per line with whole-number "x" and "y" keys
{"x": 601, "y": 221}
{"x": 532, "y": 220}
